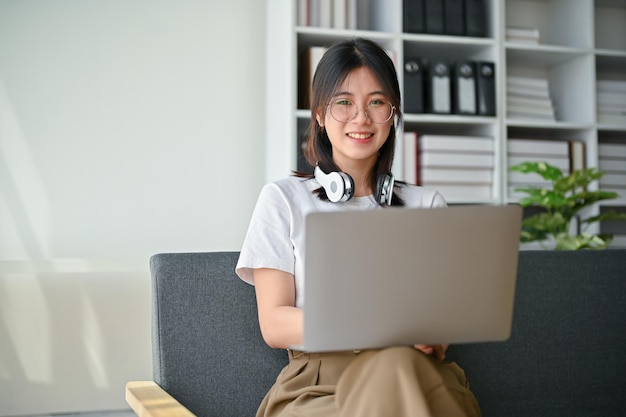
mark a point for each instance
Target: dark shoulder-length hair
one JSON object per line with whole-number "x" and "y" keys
{"x": 333, "y": 68}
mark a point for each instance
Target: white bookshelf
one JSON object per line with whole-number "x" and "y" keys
{"x": 580, "y": 42}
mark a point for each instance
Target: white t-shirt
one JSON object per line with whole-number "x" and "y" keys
{"x": 275, "y": 237}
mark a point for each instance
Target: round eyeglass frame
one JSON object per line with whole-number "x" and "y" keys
{"x": 391, "y": 113}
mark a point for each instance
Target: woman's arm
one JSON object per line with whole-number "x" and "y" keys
{"x": 280, "y": 320}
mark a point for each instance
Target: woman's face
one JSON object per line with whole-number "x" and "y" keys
{"x": 359, "y": 138}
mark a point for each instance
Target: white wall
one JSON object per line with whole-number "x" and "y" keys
{"x": 127, "y": 127}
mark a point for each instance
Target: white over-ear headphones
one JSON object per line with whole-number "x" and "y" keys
{"x": 339, "y": 186}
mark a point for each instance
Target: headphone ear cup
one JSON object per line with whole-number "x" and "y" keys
{"x": 339, "y": 186}
{"x": 384, "y": 189}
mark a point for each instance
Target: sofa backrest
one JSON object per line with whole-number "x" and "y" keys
{"x": 566, "y": 355}
{"x": 567, "y": 351}
{"x": 207, "y": 347}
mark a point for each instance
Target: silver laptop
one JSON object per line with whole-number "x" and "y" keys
{"x": 404, "y": 276}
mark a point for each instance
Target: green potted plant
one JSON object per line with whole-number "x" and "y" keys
{"x": 561, "y": 204}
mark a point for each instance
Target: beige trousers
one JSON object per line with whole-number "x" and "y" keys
{"x": 398, "y": 381}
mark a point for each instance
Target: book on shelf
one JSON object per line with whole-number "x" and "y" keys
{"x": 577, "y": 155}
{"x": 463, "y": 84}
{"x": 612, "y": 165}
{"x": 465, "y": 192}
{"x": 457, "y": 175}
{"x": 433, "y": 15}
{"x": 611, "y": 113}
{"x": 336, "y": 14}
{"x": 303, "y": 13}
{"x": 485, "y": 88}
{"x": 612, "y": 86}
{"x": 534, "y": 147}
{"x": 529, "y": 98}
{"x": 446, "y": 155}
{"x": 529, "y": 116}
{"x": 453, "y": 17}
{"x": 414, "y": 93}
{"x": 325, "y": 13}
{"x": 455, "y": 160}
{"x": 521, "y": 88}
{"x": 611, "y": 98}
{"x": 613, "y": 181}
{"x": 413, "y": 16}
{"x": 309, "y": 59}
{"x": 611, "y": 119}
{"x": 520, "y": 91}
{"x": 612, "y": 151}
{"x": 612, "y": 160}
{"x": 340, "y": 14}
{"x": 609, "y": 109}
{"x": 611, "y": 101}
{"x": 514, "y": 108}
{"x": 562, "y": 163}
{"x": 454, "y": 143}
{"x": 566, "y": 155}
{"x": 410, "y": 160}
{"x": 541, "y": 102}
{"x": 615, "y": 227}
{"x": 475, "y": 20}
{"x": 527, "y": 82}
{"x": 520, "y": 179}
{"x": 522, "y": 35}
{"x": 438, "y": 86}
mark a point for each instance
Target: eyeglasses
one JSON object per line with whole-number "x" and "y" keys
{"x": 344, "y": 110}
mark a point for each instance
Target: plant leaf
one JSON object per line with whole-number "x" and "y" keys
{"x": 611, "y": 215}
{"x": 547, "y": 171}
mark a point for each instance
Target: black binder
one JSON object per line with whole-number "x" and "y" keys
{"x": 475, "y": 21}
{"x": 464, "y": 88}
{"x": 433, "y": 14}
{"x": 454, "y": 17}
{"x": 414, "y": 16}
{"x": 438, "y": 83}
{"x": 486, "y": 88}
{"x": 414, "y": 85}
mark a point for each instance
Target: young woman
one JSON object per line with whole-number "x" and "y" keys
{"x": 355, "y": 103}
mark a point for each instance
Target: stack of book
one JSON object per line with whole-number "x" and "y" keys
{"x": 565, "y": 155}
{"x": 612, "y": 160}
{"x": 528, "y": 98}
{"x": 611, "y": 99}
{"x": 336, "y": 14}
{"x": 555, "y": 153}
{"x": 461, "y": 168}
{"x": 522, "y": 35}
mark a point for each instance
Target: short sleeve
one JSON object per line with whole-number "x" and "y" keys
{"x": 268, "y": 242}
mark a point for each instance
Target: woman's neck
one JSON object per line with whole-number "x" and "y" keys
{"x": 360, "y": 173}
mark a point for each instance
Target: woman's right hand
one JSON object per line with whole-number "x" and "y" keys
{"x": 436, "y": 351}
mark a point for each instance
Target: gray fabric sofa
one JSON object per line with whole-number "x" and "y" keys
{"x": 566, "y": 355}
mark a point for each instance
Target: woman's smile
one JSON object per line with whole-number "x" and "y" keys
{"x": 360, "y": 136}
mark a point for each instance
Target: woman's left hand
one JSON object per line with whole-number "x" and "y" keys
{"x": 436, "y": 351}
